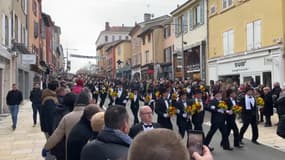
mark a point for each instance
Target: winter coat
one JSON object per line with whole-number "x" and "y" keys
{"x": 77, "y": 89}
{"x": 281, "y": 104}
{"x": 36, "y": 95}
{"x": 14, "y": 97}
{"x": 47, "y": 110}
{"x": 78, "y": 137}
{"x": 268, "y": 105}
{"x": 108, "y": 145}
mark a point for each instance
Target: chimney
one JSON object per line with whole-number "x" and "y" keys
{"x": 147, "y": 17}
{"x": 107, "y": 26}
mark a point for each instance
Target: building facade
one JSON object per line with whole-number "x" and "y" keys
{"x": 245, "y": 41}
{"x": 136, "y": 52}
{"x": 190, "y": 22}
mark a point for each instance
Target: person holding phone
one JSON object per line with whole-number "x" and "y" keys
{"x": 207, "y": 155}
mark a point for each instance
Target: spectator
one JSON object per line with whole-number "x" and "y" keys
{"x": 206, "y": 155}
{"x": 35, "y": 97}
{"x": 97, "y": 124}
{"x": 68, "y": 122}
{"x": 14, "y": 99}
{"x": 146, "y": 124}
{"x": 78, "y": 87}
{"x": 48, "y": 107}
{"x": 158, "y": 144}
{"x": 113, "y": 141}
{"x": 80, "y": 133}
{"x": 268, "y": 106}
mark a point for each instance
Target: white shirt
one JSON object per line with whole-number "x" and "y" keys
{"x": 233, "y": 102}
{"x": 135, "y": 97}
{"x": 147, "y": 128}
{"x": 249, "y": 102}
{"x": 119, "y": 92}
{"x": 166, "y": 103}
{"x": 201, "y": 103}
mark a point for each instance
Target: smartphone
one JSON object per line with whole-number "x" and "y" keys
{"x": 195, "y": 142}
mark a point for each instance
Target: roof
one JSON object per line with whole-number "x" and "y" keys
{"x": 182, "y": 7}
{"x": 106, "y": 44}
{"x": 123, "y": 29}
{"x": 160, "y": 22}
{"x": 47, "y": 19}
{"x": 116, "y": 44}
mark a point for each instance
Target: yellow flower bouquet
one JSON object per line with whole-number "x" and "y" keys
{"x": 171, "y": 111}
{"x": 260, "y": 102}
{"x": 196, "y": 108}
{"x": 174, "y": 96}
{"x": 115, "y": 94}
{"x": 147, "y": 99}
{"x": 223, "y": 105}
{"x": 131, "y": 96}
{"x": 237, "y": 109}
{"x": 202, "y": 88}
{"x": 157, "y": 94}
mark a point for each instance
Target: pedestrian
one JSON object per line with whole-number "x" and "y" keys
{"x": 80, "y": 133}
{"x": 158, "y": 144}
{"x": 97, "y": 124}
{"x": 78, "y": 87}
{"x": 198, "y": 118}
{"x": 35, "y": 97}
{"x": 146, "y": 123}
{"x": 13, "y": 99}
{"x": 121, "y": 98}
{"x": 248, "y": 115}
{"x": 268, "y": 106}
{"x": 113, "y": 141}
{"x": 280, "y": 103}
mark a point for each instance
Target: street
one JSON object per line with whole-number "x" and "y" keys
{"x": 26, "y": 142}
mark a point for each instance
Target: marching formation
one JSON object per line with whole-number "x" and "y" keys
{"x": 88, "y": 114}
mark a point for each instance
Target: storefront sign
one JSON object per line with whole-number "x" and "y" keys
{"x": 194, "y": 67}
{"x": 240, "y": 66}
{"x": 28, "y": 59}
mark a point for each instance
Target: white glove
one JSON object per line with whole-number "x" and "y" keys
{"x": 184, "y": 115}
{"x": 230, "y": 112}
{"x": 213, "y": 107}
{"x": 177, "y": 111}
{"x": 165, "y": 115}
{"x": 125, "y": 101}
{"x": 220, "y": 110}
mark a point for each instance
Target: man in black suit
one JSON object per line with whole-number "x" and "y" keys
{"x": 103, "y": 94}
{"x": 231, "y": 117}
{"x": 135, "y": 104}
{"x": 161, "y": 109}
{"x": 122, "y": 95}
{"x": 198, "y": 118}
{"x": 248, "y": 115}
{"x": 146, "y": 124}
{"x": 217, "y": 122}
{"x": 183, "y": 118}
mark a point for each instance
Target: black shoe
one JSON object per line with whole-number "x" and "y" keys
{"x": 241, "y": 143}
{"x": 238, "y": 146}
{"x": 13, "y": 128}
{"x": 228, "y": 148}
{"x": 255, "y": 142}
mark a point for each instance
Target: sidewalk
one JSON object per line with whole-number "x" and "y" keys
{"x": 26, "y": 142}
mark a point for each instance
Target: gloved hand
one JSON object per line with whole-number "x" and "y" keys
{"x": 230, "y": 112}
{"x": 44, "y": 152}
{"x": 165, "y": 115}
{"x": 177, "y": 111}
{"x": 220, "y": 110}
{"x": 184, "y": 115}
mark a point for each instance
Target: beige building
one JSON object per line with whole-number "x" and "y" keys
{"x": 152, "y": 47}
{"x": 136, "y": 52}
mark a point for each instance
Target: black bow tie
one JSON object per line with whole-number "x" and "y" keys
{"x": 147, "y": 126}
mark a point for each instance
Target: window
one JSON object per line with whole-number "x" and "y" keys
{"x": 167, "y": 55}
{"x": 5, "y": 30}
{"x": 127, "y": 38}
{"x": 146, "y": 57}
{"x": 196, "y": 15}
{"x": 120, "y": 37}
{"x": 119, "y": 50}
{"x": 36, "y": 29}
{"x": 213, "y": 10}
{"x": 227, "y": 3}
{"x": 254, "y": 35}
{"x": 181, "y": 23}
{"x": 228, "y": 38}
{"x": 113, "y": 38}
{"x": 35, "y": 7}
{"x": 43, "y": 30}
{"x": 143, "y": 40}
{"x": 167, "y": 31}
{"x": 106, "y": 38}
{"x": 16, "y": 28}
{"x": 149, "y": 37}
{"x": 24, "y": 5}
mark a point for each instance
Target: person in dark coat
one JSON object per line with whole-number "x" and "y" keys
{"x": 217, "y": 122}
{"x": 183, "y": 118}
{"x": 149, "y": 99}
{"x": 103, "y": 94}
{"x": 113, "y": 141}
{"x": 268, "y": 106}
{"x": 146, "y": 123}
{"x": 198, "y": 118}
{"x": 48, "y": 108}
{"x": 80, "y": 133}
{"x": 122, "y": 95}
{"x": 161, "y": 109}
{"x": 231, "y": 117}
{"x": 281, "y": 104}
{"x": 248, "y": 115}
{"x": 13, "y": 99}
{"x": 35, "y": 97}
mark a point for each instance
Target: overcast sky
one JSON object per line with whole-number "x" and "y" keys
{"x": 81, "y": 21}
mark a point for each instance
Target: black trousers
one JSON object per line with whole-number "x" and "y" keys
{"x": 102, "y": 102}
{"x": 198, "y": 120}
{"x": 36, "y": 108}
{"x": 268, "y": 120}
{"x": 135, "y": 110}
{"x": 231, "y": 125}
{"x": 183, "y": 127}
{"x": 222, "y": 128}
{"x": 249, "y": 120}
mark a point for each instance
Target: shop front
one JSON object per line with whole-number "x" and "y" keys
{"x": 166, "y": 71}
{"x": 263, "y": 67}
{"x": 136, "y": 72}
{"x": 147, "y": 72}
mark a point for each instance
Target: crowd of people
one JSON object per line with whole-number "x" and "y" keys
{"x": 87, "y": 118}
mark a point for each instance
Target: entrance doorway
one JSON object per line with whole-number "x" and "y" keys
{"x": 267, "y": 79}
